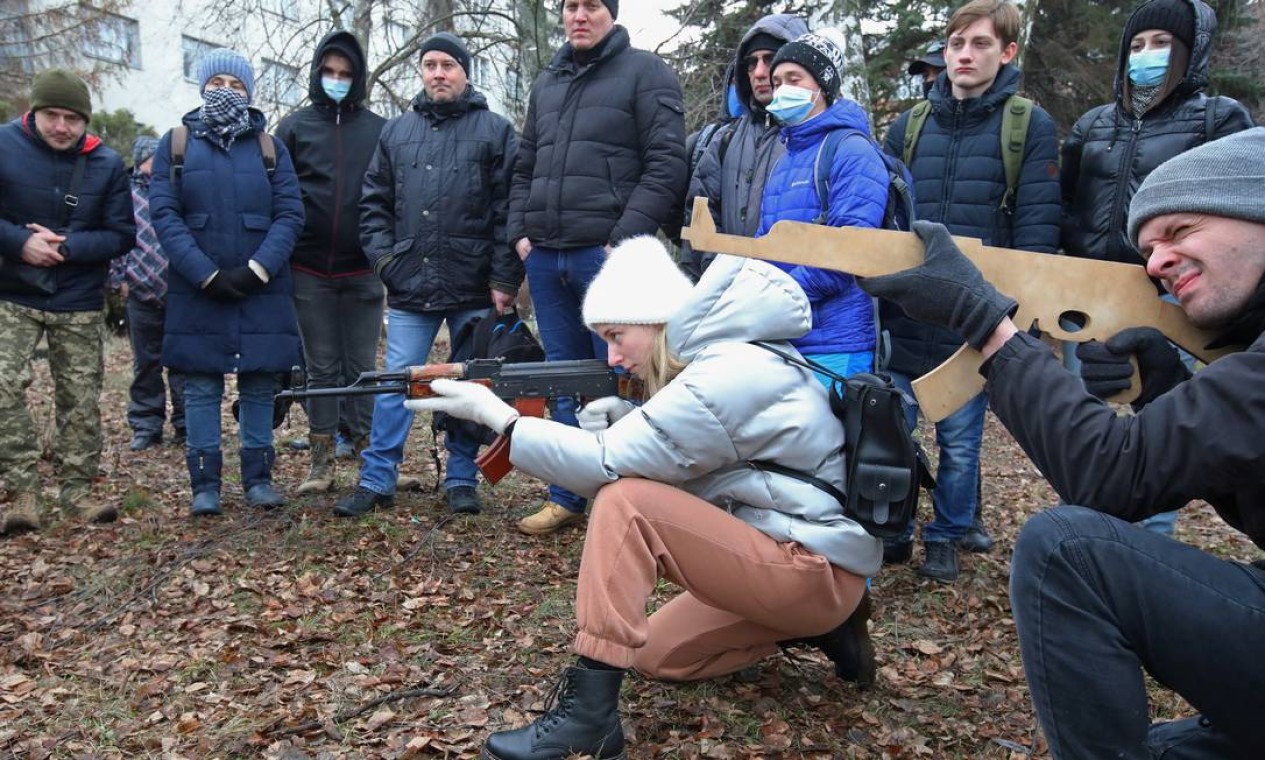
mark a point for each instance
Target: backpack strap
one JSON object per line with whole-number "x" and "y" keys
{"x": 269, "y": 150}
{"x": 179, "y": 144}
{"x": 701, "y": 142}
{"x": 827, "y": 149}
{"x": 1016, "y": 115}
{"x": 71, "y": 200}
{"x": 913, "y": 128}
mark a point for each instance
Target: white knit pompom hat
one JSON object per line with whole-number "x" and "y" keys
{"x": 639, "y": 284}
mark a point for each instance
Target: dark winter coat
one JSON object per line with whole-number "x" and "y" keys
{"x": 603, "y": 151}
{"x": 843, "y": 315}
{"x": 734, "y": 167}
{"x": 1200, "y": 440}
{"x": 34, "y": 181}
{"x": 436, "y": 195}
{"x": 1109, "y": 152}
{"x": 331, "y": 144}
{"x": 223, "y": 212}
{"x": 959, "y": 180}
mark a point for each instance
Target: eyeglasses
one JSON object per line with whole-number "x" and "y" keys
{"x": 754, "y": 60}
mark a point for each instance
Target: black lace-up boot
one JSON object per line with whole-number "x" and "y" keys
{"x": 581, "y": 718}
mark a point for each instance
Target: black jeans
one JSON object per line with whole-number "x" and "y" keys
{"x": 340, "y": 320}
{"x": 147, "y": 408}
{"x": 1097, "y": 601}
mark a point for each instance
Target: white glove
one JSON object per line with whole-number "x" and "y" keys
{"x": 468, "y": 401}
{"x": 601, "y": 413}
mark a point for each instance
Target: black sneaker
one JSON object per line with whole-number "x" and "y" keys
{"x": 848, "y": 646}
{"x": 976, "y": 539}
{"x": 897, "y": 551}
{"x": 464, "y": 500}
{"x": 362, "y": 501}
{"x": 941, "y": 561}
{"x": 143, "y": 441}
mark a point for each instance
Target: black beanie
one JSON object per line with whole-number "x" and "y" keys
{"x": 450, "y": 44}
{"x": 611, "y": 5}
{"x": 763, "y": 41}
{"x": 820, "y": 56}
{"x": 59, "y": 88}
{"x": 1174, "y": 16}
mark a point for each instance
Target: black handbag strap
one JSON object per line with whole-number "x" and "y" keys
{"x": 800, "y": 360}
{"x": 72, "y": 195}
{"x": 804, "y": 477}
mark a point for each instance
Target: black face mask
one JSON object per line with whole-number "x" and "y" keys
{"x": 927, "y": 86}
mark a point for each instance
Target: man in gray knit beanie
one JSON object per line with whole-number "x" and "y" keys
{"x": 1099, "y": 603}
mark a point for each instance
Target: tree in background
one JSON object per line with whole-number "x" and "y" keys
{"x": 41, "y": 34}
{"x": 119, "y": 129}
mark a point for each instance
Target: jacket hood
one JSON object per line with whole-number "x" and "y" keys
{"x": 842, "y": 114}
{"x": 1196, "y": 77}
{"x": 1005, "y": 85}
{"x": 345, "y": 43}
{"x": 784, "y": 26}
{"x": 742, "y": 300}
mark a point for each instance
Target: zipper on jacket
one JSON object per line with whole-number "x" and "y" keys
{"x": 951, "y": 161}
{"x": 1122, "y": 185}
{"x": 336, "y": 212}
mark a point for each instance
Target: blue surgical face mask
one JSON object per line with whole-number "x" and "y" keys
{"x": 1148, "y": 67}
{"x": 336, "y": 89}
{"x": 791, "y": 104}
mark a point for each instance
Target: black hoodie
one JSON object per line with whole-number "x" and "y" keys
{"x": 331, "y": 144}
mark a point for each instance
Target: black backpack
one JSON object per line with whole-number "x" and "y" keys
{"x": 884, "y": 465}
{"x": 492, "y": 336}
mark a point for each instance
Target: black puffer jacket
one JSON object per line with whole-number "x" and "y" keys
{"x": 331, "y": 144}
{"x": 603, "y": 150}
{"x": 1109, "y": 153}
{"x": 34, "y": 180}
{"x": 432, "y": 216}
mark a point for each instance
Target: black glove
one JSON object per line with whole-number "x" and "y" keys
{"x": 221, "y": 289}
{"x": 1106, "y": 370}
{"x": 244, "y": 280}
{"x": 946, "y": 289}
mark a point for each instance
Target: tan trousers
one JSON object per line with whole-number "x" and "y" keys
{"x": 744, "y": 591}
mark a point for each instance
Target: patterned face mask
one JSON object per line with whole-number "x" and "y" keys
{"x": 226, "y": 113}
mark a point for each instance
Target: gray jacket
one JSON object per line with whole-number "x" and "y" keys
{"x": 732, "y": 170}
{"x": 733, "y": 403}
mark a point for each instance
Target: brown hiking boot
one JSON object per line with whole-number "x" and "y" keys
{"x": 408, "y": 483}
{"x": 320, "y": 478}
{"x": 22, "y": 514}
{"x": 81, "y": 505}
{"x": 550, "y": 519}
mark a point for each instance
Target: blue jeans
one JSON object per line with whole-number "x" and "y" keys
{"x": 956, "y": 494}
{"x": 410, "y": 335}
{"x": 203, "y": 395}
{"x": 1097, "y": 601}
{"x": 558, "y": 280}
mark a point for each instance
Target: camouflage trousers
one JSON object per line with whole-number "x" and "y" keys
{"x": 75, "y": 342}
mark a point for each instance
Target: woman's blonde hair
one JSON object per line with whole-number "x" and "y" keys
{"x": 664, "y": 365}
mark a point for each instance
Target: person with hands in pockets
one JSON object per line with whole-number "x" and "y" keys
{"x": 1098, "y": 601}
{"x": 762, "y": 558}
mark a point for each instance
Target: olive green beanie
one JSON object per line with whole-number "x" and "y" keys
{"x": 59, "y": 88}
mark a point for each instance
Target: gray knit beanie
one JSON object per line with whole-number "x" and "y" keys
{"x": 231, "y": 62}
{"x": 1220, "y": 178}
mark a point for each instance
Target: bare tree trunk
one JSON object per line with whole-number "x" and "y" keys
{"x": 1030, "y": 8}
{"x": 846, "y": 15}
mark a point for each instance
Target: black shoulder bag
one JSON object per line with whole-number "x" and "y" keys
{"x": 884, "y": 466}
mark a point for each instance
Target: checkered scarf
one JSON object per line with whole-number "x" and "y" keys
{"x": 226, "y": 115}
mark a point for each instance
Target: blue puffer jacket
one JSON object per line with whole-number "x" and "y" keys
{"x": 843, "y": 315}
{"x": 959, "y": 180}
{"x": 221, "y": 213}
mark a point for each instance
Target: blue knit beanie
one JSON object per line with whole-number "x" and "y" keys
{"x": 225, "y": 61}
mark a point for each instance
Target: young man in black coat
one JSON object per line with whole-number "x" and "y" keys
{"x": 1098, "y": 601}
{"x": 337, "y": 296}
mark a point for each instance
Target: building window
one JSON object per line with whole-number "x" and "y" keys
{"x": 280, "y": 83}
{"x": 480, "y": 72}
{"x": 192, "y": 50}
{"x": 287, "y": 9}
{"x": 112, "y": 38}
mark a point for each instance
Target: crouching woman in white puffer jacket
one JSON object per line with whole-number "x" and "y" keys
{"x": 763, "y": 558}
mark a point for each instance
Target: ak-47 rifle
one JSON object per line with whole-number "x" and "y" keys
{"x": 1069, "y": 298}
{"x": 525, "y": 385}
